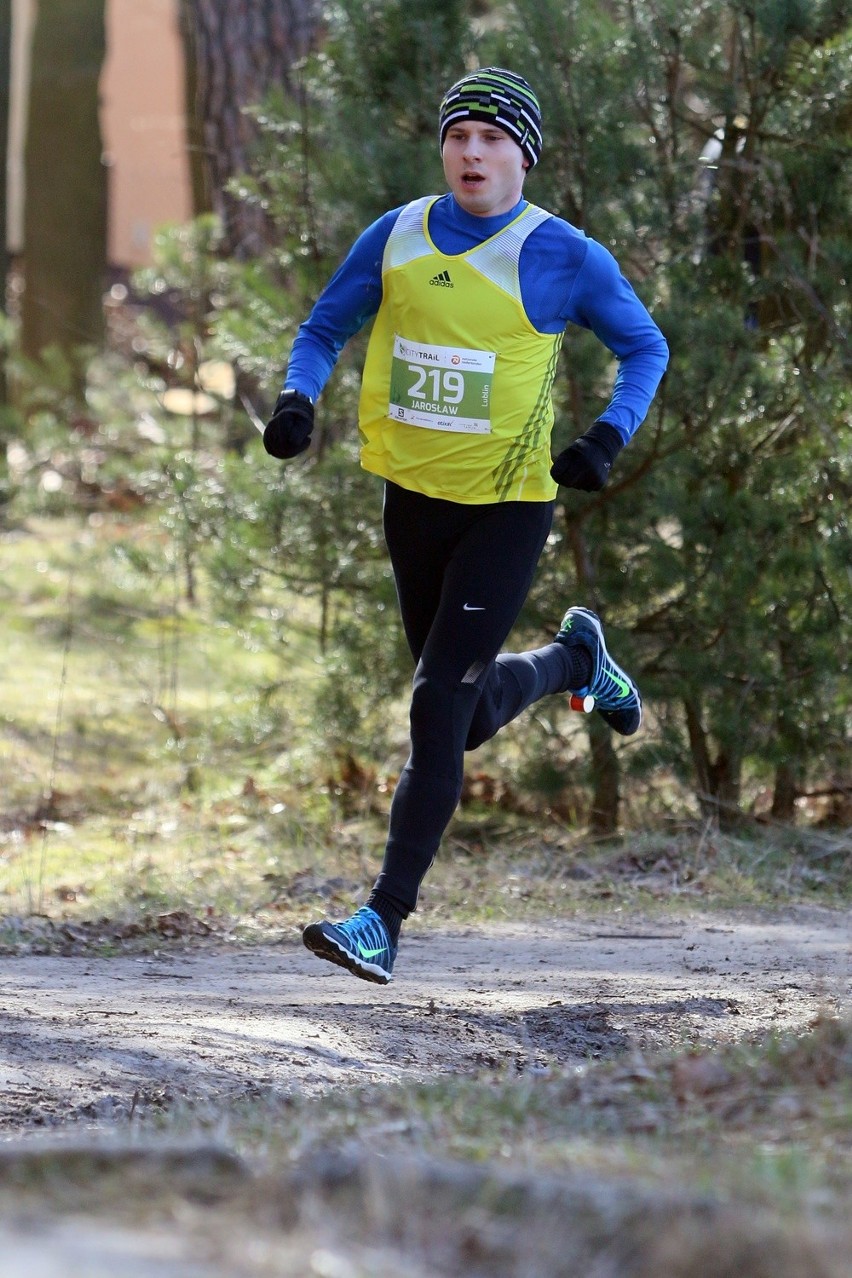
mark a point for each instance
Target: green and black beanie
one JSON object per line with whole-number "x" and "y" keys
{"x": 500, "y": 97}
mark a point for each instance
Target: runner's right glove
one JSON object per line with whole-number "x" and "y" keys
{"x": 586, "y": 463}
{"x": 288, "y": 431}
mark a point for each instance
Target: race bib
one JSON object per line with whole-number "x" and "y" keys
{"x": 441, "y": 387}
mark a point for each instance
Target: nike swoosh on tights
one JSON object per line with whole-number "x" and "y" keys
{"x": 473, "y": 608}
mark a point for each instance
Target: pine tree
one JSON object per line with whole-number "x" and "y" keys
{"x": 705, "y": 147}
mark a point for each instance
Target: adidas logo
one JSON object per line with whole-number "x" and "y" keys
{"x": 442, "y": 280}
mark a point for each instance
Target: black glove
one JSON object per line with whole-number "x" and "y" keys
{"x": 288, "y": 431}
{"x": 586, "y": 463}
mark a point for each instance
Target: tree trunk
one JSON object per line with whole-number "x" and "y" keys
{"x": 789, "y": 771}
{"x": 606, "y": 796}
{"x": 718, "y": 778}
{"x": 785, "y": 792}
{"x": 199, "y": 170}
{"x": 606, "y": 776}
{"x": 65, "y": 217}
{"x": 237, "y": 52}
{"x": 5, "y": 85}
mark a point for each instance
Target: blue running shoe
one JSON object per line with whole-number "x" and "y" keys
{"x": 361, "y": 944}
{"x": 616, "y": 695}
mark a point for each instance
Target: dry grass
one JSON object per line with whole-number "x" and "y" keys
{"x": 768, "y": 1122}
{"x": 156, "y": 760}
{"x": 732, "y": 1163}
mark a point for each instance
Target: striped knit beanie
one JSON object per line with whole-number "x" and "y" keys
{"x": 499, "y": 97}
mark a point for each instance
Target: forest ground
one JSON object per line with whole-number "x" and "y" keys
{"x": 160, "y": 1109}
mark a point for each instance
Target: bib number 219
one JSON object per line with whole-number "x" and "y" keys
{"x": 440, "y": 385}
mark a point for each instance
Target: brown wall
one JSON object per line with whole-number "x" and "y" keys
{"x": 143, "y": 123}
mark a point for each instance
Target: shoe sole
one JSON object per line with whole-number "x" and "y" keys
{"x": 325, "y": 948}
{"x": 594, "y": 620}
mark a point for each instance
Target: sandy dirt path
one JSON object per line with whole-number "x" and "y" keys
{"x": 98, "y": 1038}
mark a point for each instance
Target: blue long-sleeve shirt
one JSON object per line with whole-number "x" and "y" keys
{"x": 566, "y": 278}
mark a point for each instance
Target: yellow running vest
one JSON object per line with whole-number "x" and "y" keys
{"x": 456, "y": 394}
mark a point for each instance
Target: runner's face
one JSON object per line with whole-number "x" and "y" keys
{"x": 484, "y": 168}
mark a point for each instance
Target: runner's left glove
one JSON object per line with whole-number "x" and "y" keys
{"x": 288, "y": 431}
{"x": 586, "y": 463}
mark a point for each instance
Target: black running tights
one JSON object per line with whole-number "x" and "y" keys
{"x": 462, "y": 574}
